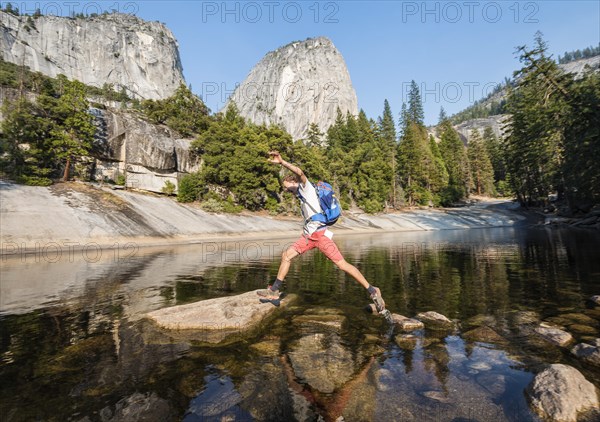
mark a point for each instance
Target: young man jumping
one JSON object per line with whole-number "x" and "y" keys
{"x": 315, "y": 234}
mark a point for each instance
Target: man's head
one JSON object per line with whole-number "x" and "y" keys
{"x": 290, "y": 183}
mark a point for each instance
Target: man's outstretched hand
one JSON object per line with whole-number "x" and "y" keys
{"x": 275, "y": 157}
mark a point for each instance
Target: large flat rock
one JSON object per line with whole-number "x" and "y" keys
{"x": 217, "y": 318}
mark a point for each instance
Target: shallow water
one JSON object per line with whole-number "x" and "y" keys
{"x": 73, "y": 345}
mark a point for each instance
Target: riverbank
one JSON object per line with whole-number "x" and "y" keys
{"x": 75, "y": 215}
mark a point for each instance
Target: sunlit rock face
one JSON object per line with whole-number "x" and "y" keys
{"x": 298, "y": 84}
{"x": 138, "y": 56}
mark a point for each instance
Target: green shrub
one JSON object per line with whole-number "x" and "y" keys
{"x": 191, "y": 188}
{"x": 169, "y": 188}
{"x": 34, "y": 181}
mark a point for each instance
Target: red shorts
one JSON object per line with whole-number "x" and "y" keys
{"x": 318, "y": 240}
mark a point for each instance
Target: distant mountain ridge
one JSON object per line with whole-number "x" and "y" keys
{"x": 484, "y": 112}
{"x": 492, "y": 104}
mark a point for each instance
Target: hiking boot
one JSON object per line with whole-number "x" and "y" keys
{"x": 378, "y": 300}
{"x": 268, "y": 293}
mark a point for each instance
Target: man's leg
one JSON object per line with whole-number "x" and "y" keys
{"x": 286, "y": 260}
{"x": 302, "y": 245}
{"x": 353, "y": 271}
{"x": 331, "y": 251}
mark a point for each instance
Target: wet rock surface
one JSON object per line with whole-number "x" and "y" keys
{"x": 554, "y": 334}
{"x": 588, "y": 353}
{"x": 407, "y": 324}
{"x": 435, "y": 321}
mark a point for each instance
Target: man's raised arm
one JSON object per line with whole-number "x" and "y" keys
{"x": 276, "y": 159}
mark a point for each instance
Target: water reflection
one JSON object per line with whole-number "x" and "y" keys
{"x": 74, "y": 346}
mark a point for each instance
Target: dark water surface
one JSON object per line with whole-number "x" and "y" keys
{"x": 73, "y": 346}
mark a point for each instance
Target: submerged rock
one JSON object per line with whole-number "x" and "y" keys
{"x": 526, "y": 317}
{"x": 554, "y": 335}
{"x": 583, "y": 329}
{"x": 494, "y": 383}
{"x": 437, "y": 396}
{"x": 560, "y": 392}
{"x": 588, "y": 353}
{"x": 321, "y": 361}
{"x": 579, "y": 318}
{"x": 217, "y": 319}
{"x": 485, "y": 335}
{"x": 138, "y": 407}
{"x": 435, "y": 321}
{"x": 479, "y": 320}
{"x": 406, "y": 341}
{"x": 322, "y": 317}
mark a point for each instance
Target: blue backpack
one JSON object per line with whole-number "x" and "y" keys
{"x": 330, "y": 206}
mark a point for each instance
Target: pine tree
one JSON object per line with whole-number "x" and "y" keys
{"x": 415, "y": 162}
{"x": 581, "y": 125}
{"x": 72, "y": 137}
{"x": 453, "y": 152}
{"x": 438, "y": 172}
{"x": 387, "y": 133}
{"x": 482, "y": 172}
{"x": 24, "y": 150}
{"x": 314, "y": 135}
{"x": 535, "y": 141}
{"x": 387, "y": 128}
{"x": 443, "y": 116}
{"x": 496, "y": 153}
{"x": 415, "y": 106}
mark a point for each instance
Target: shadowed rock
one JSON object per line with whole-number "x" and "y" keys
{"x": 554, "y": 335}
{"x": 560, "y": 392}
{"x": 588, "y": 353}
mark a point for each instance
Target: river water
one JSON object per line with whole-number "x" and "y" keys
{"x": 74, "y": 345}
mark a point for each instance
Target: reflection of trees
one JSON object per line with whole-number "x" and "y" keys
{"x": 436, "y": 359}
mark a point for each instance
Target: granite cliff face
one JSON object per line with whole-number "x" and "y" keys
{"x": 147, "y": 155}
{"x": 301, "y": 83}
{"x": 142, "y": 57}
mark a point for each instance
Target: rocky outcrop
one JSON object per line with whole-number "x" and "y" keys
{"x": 147, "y": 155}
{"x": 298, "y": 84}
{"x": 219, "y": 319}
{"x": 579, "y": 67}
{"x": 560, "y": 392}
{"x": 496, "y": 122}
{"x": 138, "y": 56}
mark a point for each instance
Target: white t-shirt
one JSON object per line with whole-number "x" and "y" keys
{"x": 310, "y": 206}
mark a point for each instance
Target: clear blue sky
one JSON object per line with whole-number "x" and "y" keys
{"x": 455, "y": 50}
